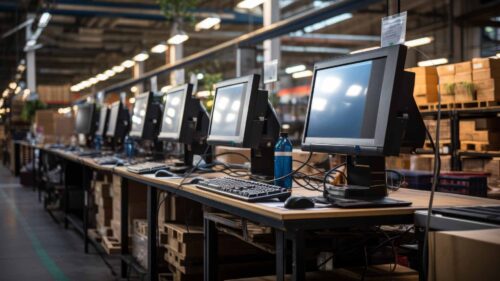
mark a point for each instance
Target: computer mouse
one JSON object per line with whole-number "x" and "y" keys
{"x": 299, "y": 202}
{"x": 164, "y": 174}
{"x": 196, "y": 180}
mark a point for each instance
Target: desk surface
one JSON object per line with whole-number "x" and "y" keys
{"x": 419, "y": 198}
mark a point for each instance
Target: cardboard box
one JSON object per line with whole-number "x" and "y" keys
{"x": 426, "y": 79}
{"x": 462, "y": 67}
{"x": 466, "y": 129}
{"x": 485, "y": 63}
{"x": 446, "y": 79}
{"x": 464, "y": 255}
{"x": 488, "y": 89}
{"x": 490, "y": 124}
{"x": 464, "y": 92}
{"x": 483, "y": 74}
{"x": 448, "y": 69}
{"x": 463, "y": 77}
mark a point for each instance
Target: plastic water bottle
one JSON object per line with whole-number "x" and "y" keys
{"x": 283, "y": 161}
{"x": 98, "y": 143}
{"x": 129, "y": 147}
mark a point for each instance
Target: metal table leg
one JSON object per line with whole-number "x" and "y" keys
{"x": 280, "y": 255}
{"x": 86, "y": 174}
{"x": 298, "y": 263}
{"x": 124, "y": 225}
{"x": 210, "y": 248}
{"x": 152, "y": 230}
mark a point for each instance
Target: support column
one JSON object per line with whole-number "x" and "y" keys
{"x": 176, "y": 52}
{"x": 245, "y": 61}
{"x": 138, "y": 71}
{"x": 30, "y": 60}
{"x": 271, "y": 46}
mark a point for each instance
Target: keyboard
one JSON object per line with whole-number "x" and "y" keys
{"x": 482, "y": 214}
{"x": 246, "y": 190}
{"x": 146, "y": 167}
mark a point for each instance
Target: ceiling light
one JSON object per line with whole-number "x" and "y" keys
{"x": 433, "y": 62}
{"x": 109, "y": 73}
{"x": 134, "y": 89}
{"x": 44, "y": 19}
{"x": 325, "y": 23}
{"x": 200, "y": 76}
{"x": 295, "y": 68}
{"x": 302, "y": 74}
{"x": 5, "y": 93}
{"x": 93, "y": 80}
{"x": 118, "y": 68}
{"x": 102, "y": 77}
{"x": 249, "y": 4}
{"x": 141, "y": 57}
{"x": 419, "y": 42}
{"x": 160, "y": 48}
{"x": 165, "y": 89}
{"x": 17, "y": 91}
{"x": 364, "y": 50}
{"x": 75, "y": 88}
{"x": 12, "y": 85}
{"x": 86, "y": 84}
{"x": 498, "y": 55}
{"x": 178, "y": 38}
{"x": 131, "y": 100}
{"x": 207, "y": 23}
{"x": 128, "y": 63}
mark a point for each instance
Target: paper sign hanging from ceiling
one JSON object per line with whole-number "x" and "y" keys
{"x": 393, "y": 30}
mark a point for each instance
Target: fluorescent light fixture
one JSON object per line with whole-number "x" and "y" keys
{"x": 419, "y": 42}
{"x": 200, "y": 76}
{"x": 364, "y": 50}
{"x": 86, "y": 84}
{"x": 109, "y": 73}
{"x": 75, "y": 88}
{"x": 249, "y": 4}
{"x": 207, "y": 23}
{"x": 433, "y": 62}
{"x": 302, "y": 74}
{"x": 295, "y": 68}
{"x": 325, "y": 23}
{"x": 131, "y": 100}
{"x": 93, "y": 80}
{"x": 178, "y": 38}
{"x": 141, "y": 56}
{"x": 12, "y": 85}
{"x": 128, "y": 63}
{"x": 44, "y": 20}
{"x": 160, "y": 48}
{"x": 5, "y": 93}
{"x": 134, "y": 89}
{"x": 18, "y": 90}
{"x": 118, "y": 68}
{"x": 102, "y": 77}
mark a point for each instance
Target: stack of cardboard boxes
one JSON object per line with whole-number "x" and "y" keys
{"x": 54, "y": 127}
{"x": 59, "y": 94}
{"x": 446, "y": 74}
{"x": 486, "y": 78}
{"x": 426, "y": 79}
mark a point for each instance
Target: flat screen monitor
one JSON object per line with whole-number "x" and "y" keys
{"x": 352, "y": 102}
{"x": 231, "y": 112}
{"x": 85, "y": 119}
{"x": 173, "y": 113}
{"x": 139, "y": 115}
{"x": 114, "y": 112}
{"x": 103, "y": 118}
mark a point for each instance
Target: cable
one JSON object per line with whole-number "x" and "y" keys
{"x": 294, "y": 171}
{"x": 334, "y": 169}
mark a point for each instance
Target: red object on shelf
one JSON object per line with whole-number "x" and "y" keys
{"x": 466, "y": 183}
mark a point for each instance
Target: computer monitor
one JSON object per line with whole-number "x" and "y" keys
{"x": 145, "y": 117}
{"x": 185, "y": 120}
{"x": 362, "y": 105}
{"x": 103, "y": 120}
{"x": 85, "y": 122}
{"x": 118, "y": 122}
{"x": 242, "y": 116}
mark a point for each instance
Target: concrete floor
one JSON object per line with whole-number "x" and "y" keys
{"x": 33, "y": 246}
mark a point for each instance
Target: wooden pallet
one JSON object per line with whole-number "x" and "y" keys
{"x": 184, "y": 264}
{"x": 94, "y": 235}
{"x": 111, "y": 245}
{"x": 478, "y": 146}
{"x": 184, "y": 240}
{"x": 458, "y": 105}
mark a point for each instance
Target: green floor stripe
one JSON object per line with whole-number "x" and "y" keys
{"x": 47, "y": 262}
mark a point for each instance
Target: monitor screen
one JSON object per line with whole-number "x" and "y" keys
{"x": 172, "y": 113}
{"x": 102, "y": 120}
{"x": 228, "y": 110}
{"x": 139, "y": 114}
{"x": 113, "y": 119}
{"x": 84, "y": 119}
{"x": 344, "y": 101}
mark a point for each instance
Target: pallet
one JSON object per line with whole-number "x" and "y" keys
{"x": 93, "y": 234}
{"x": 182, "y": 263}
{"x": 458, "y": 105}
{"x": 111, "y": 245}
{"x": 259, "y": 236}
{"x": 184, "y": 240}
{"x": 477, "y": 146}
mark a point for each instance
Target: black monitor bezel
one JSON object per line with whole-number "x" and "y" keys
{"x": 90, "y": 122}
{"x": 105, "y": 121}
{"x": 250, "y": 99}
{"x": 186, "y": 93}
{"x": 148, "y": 96}
{"x": 373, "y": 146}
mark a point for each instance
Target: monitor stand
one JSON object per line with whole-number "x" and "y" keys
{"x": 190, "y": 150}
{"x": 366, "y": 185}
{"x": 262, "y": 162}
